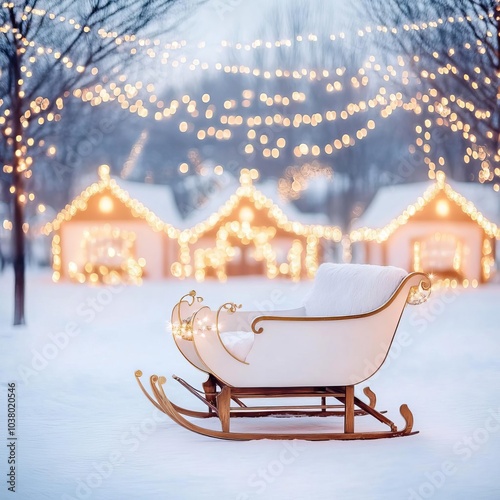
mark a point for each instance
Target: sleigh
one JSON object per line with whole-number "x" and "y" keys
{"x": 290, "y": 355}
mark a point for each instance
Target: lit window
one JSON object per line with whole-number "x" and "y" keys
{"x": 106, "y": 204}
{"x": 246, "y": 214}
{"x": 442, "y": 208}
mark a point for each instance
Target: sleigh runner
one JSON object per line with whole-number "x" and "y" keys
{"x": 295, "y": 353}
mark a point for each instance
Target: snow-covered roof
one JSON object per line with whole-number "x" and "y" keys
{"x": 220, "y": 206}
{"x": 158, "y": 198}
{"x": 391, "y": 202}
{"x": 211, "y": 205}
{"x": 269, "y": 189}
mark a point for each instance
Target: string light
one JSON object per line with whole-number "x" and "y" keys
{"x": 109, "y": 257}
{"x": 131, "y": 97}
{"x": 392, "y": 102}
{"x": 152, "y": 47}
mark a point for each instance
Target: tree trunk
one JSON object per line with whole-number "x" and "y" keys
{"x": 18, "y": 184}
{"x": 497, "y": 69}
{"x": 19, "y": 251}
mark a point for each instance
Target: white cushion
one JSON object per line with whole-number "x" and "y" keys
{"x": 238, "y": 343}
{"x": 348, "y": 289}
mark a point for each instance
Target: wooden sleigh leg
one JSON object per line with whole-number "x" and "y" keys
{"x": 349, "y": 409}
{"x": 223, "y": 406}
{"x": 350, "y": 401}
{"x": 210, "y": 388}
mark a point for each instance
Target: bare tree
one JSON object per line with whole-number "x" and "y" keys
{"x": 49, "y": 48}
{"x": 454, "y": 48}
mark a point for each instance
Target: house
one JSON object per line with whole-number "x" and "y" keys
{"x": 107, "y": 235}
{"x": 446, "y": 228}
{"x": 250, "y": 234}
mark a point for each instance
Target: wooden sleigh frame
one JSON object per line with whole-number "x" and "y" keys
{"x": 232, "y": 381}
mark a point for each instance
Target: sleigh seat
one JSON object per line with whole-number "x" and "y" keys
{"x": 339, "y": 338}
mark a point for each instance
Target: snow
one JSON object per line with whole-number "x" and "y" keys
{"x": 391, "y": 201}
{"x": 86, "y": 431}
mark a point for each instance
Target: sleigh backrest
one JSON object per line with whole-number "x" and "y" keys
{"x": 349, "y": 289}
{"x": 340, "y": 350}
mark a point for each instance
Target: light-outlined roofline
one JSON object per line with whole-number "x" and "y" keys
{"x": 440, "y": 186}
{"x": 137, "y": 208}
{"x": 247, "y": 190}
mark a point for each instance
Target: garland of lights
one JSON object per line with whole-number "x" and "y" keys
{"x": 109, "y": 258}
{"x": 225, "y": 134}
{"x": 103, "y": 93}
{"x": 491, "y": 229}
{"x": 346, "y": 141}
{"x": 218, "y": 257}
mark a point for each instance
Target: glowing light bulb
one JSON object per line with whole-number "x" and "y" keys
{"x": 442, "y": 208}
{"x": 106, "y": 204}
{"x": 246, "y": 214}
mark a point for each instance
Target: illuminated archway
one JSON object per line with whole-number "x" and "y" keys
{"x": 440, "y": 253}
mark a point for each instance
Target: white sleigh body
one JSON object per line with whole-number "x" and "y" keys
{"x": 288, "y": 353}
{"x": 293, "y": 350}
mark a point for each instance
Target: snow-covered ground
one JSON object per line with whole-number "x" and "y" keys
{"x": 85, "y": 431}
